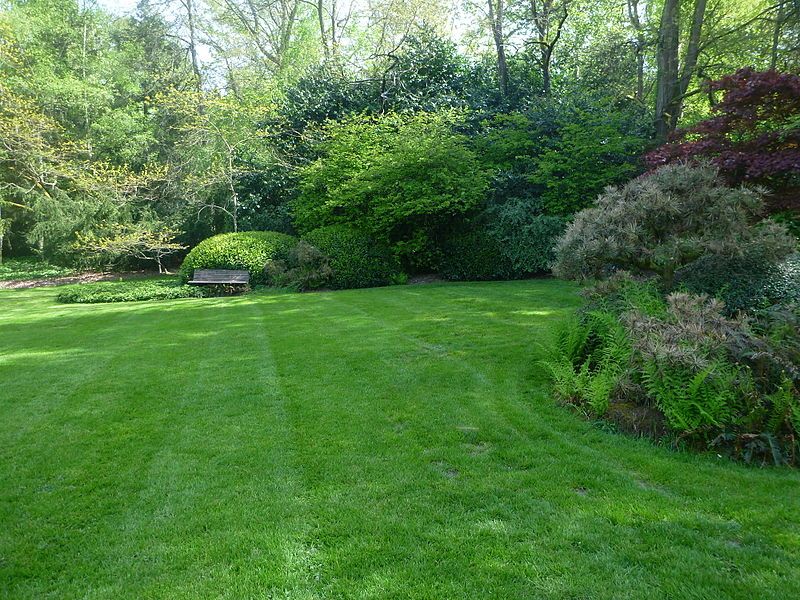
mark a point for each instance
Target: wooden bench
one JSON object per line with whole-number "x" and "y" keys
{"x": 220, "y": 276}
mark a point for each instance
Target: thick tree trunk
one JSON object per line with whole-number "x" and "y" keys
{"x": 673, "y": 81}
{"x": 667, "y": 63}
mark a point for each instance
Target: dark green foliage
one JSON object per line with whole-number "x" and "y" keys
{"x": 427, "y": 74}
{"x": 504, "y": 242}
{"x": 527, "y": 237}
{"x": 246, "y": 250}
{"x": 567, "y": 151}
{"x": 745, "y": 282}
{"x": 356, "y": 260}
{"x": 474, "y": 255}
{"x": 304, "y": 267}
{"x": 127, "y": 291}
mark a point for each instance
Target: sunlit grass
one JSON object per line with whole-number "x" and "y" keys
{"x": 385, "y": 443}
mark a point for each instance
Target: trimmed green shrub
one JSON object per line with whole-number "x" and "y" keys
{"x": 742, "y": 282}
{"x": 356, "y": 260}
{"x": 246, "y": 250}
{"x": 127, "y": 291}
{"x": 475, "y": 255}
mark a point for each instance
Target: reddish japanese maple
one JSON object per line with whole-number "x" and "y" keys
{"x": 754, "y": 135}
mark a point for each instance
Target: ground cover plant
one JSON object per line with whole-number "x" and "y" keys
{"x": 31, "y": 268}
{"x": 389, "y": 442}
{"x": 127, "y": 291}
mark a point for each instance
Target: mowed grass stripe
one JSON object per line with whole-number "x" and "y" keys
{"x": 411, "y": 451}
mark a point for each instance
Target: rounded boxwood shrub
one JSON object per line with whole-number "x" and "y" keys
{"x": 356, "y": 260}
{"x": 245, "y": 250}
{"x": 475, "y": 255}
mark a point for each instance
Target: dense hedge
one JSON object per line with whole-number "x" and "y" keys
{"x": 475, "y": 255}
{"x": 506, "y": 242}
{"x": 246, "y": 250}
{"x": 127, "y": 291}
{"x": 356, "y": 260}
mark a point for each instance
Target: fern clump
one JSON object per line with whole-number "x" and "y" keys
{"x": 716, "y": 380}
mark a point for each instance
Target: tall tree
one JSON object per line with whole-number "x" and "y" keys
{"x": 674, "y": 77}
{"x": 547, "y": 18}
{"x": 496, "y": 16}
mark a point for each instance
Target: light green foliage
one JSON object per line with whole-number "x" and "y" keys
{"x": 664, "y": 221}
{"x": 127, "y": 291}
{"x": 30, "y": 268}
{"x": 302, "y": 446}
{"x": 693, "y": 402}
{"x": 146, "y": 242}
{"x": 246, "y": 250}
{"x": 355, "y": 259}
{"x": 400, "y": 178}
{"x": 591, "y": 357}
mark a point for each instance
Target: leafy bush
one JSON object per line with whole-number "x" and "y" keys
{"x": 127, "y": 291}
{"x": 566, "y": 150}
{"x": 508, "y": 240}
{"x": 248, "y": 250}
{"x": 742, "y": 282}
{"x": 304, "y": 268}
{"x": 475, "y": 255}
{"x": 399, "y": 178}
{"x": 664, "y": 221}
{"x": 356, "y": 260}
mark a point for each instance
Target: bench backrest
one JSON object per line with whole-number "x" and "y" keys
{"x": 220, "y": 276}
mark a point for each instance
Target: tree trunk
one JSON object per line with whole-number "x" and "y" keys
{"x": 776, "y": 37}
{"x": 496, "y": 18}
{"x": 673, "y": 81}
{"x": 636, "y": 23}
{"x": 667, "y": 63}
{"x": 189, "y": 6}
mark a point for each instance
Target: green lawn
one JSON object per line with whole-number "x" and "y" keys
{"x": 384, "y": 443}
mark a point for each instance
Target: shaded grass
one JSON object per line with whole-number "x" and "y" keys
{"x": 384, "y": 443}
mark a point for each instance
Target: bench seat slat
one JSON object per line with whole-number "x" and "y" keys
{"x": 220, "y": 276}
